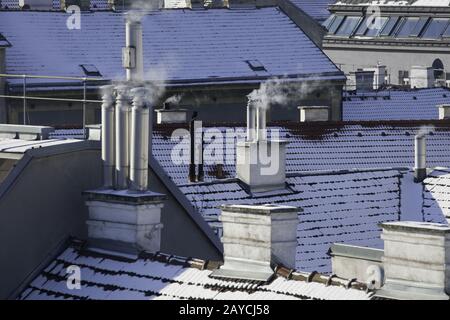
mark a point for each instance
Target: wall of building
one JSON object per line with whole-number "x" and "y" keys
{"x": 2, "y": 86}
{"x": 350, "y": 59}
{"x": 43, "y": 207}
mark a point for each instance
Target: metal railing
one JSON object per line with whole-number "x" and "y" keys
{"x": 25, "y": 97}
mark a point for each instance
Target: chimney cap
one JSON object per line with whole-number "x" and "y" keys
{"x": 266, "y": 209}
{"x": 417, "y": 227}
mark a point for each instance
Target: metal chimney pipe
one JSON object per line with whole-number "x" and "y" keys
{"x": 192, "y": 176}
{"x": 261, "y": 124}
{"x": 420, "y": 169}
{"x": 251, "y": 121}
{"x": 133, "y": 52}
{"x": 108, "y": 132}
{"x": 123, "y": 109}
{"x": 140, "y": 132}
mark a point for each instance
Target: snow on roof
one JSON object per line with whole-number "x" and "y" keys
{"x": 414, "y": 3}
{"x": 419, "y": 104}
{"x": 152, "y": 277}
{"x": 94, "y": 4}
{"x": 318, "y": 9}
{"x": 437, "y": 196}
{"x": 337, "y": 208}
{"x": 187, "y": 46}
{"x": 17, "y": 146}
{"x": 326, "y": 146}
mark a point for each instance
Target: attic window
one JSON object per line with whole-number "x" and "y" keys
{"x": 256, "y": 65}
{"x": 90, "y": 70}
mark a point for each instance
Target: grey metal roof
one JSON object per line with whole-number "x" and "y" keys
{"x": 156, "y": 277}
{"x": 180, "y": 46}
{"x": 419, "y": 104}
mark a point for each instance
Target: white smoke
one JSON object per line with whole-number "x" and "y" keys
{"x": 175, "y": 99}
{"x": 279, "y": 91}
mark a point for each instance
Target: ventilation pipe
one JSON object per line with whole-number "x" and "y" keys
{"x": 108, "y": 136}
{"x": 140, "y": 131}
{"x": 420, "y": 169}
{"x": 261, "y": 124}
{"x": 133, "y": 57}
{"x": 123, "y": 109}
{"x": 192, "y": 177}
{"x": 251, "y": 121}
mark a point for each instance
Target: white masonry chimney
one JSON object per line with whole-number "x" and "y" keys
{"x": 314, "y": 113}
{"x": 108, "y": 136}
{"x": 420, "y": 167}
{"x": 444, "y": 111}
{"x": 256, "y": 239}
{"x": 421, "y": 77}
{"x": 416, "y": 261}
{"x": 260, "y": 163}
{"x": 133, "y": 53}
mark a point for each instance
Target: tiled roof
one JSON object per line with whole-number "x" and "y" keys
{"x": 426, "y": 3}
{"x": 3, "y": 41}
{"x": 163, "y": 277}
{"x": 437, "y": 196}
{"x": 187, "y": 46}
{"x": 420, "y": 104}
{"x": 315, "y": 8}
{"x": 328, "y": 146}
{"x": 95, "y": 4}
{"x": 344, "y": 208}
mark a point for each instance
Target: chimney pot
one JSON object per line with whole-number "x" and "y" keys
{"x": 123, "y": 110}
{"x": 420, "y": 168}
{"x": 107, "y": 136}
{"x": 256, "y": 239}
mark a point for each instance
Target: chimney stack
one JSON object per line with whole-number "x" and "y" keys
{"x": 107, "y": 136}
{"x": 133, "y": 56}
{"x": 314, "y": 113}
{"x": 444, "y": 112}
{"x": 256, "y": 239}
{"x": 421, "y": 77}
{"x": 420, "y": 168}
{"x": 416, "y": 261}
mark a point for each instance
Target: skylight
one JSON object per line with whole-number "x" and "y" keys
{"x": 90, "y": 70}
{"x": 436, "y": 28}
{"x": 348, "y": 26}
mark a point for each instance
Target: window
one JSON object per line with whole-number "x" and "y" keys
{"x": 327, "y": 23}
{"x": 376, "y": 26}
{"x": 347, "y": 27}
{"x": 362, "y": 27}
{"x": 411, "y": 27}
{"x": 336, "y": 24}
{"x": 389, "y": 26}
{"x": 436, "y": 28}
{"x": 402, "y": 76}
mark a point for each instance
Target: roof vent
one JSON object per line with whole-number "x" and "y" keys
{"x": 416, "y": 260}
{"x": 256, "y": 239}
{"x": 256, "y": 65}
{"x": 444, "y": 112}
{"x": 314, "y": 113}
{"x": 90, "y": 70}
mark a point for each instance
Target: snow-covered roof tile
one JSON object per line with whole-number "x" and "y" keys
{"x": 157, "y": 277}
{"x": 436, "y": 206}
{"x": 179, "y": 45}
{"x": 417, "y": 104}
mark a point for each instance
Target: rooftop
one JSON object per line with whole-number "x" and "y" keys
{"x": 180, "y": 46}
{"x": 160, "y": 276}
{"x": 315, "y": 8}
{"x": 415, "y": 104}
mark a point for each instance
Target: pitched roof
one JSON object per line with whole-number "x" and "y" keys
{"x": 180, "y": 46}
{"x": 315, "y": 8}
{"x": 167, "y": 277}
{"x": 325, "y": 146}
{"x": 437, "y": 196}
{"x": 418, "y": 104}
{"x": 94, "y": 4}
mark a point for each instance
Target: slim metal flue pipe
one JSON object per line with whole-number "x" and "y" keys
{"x": 123, "y": 109}
{"x": 139, "y": 141}
{"x": 261, "y": 124}
{"x": 134, "y": 42}
{"x": 108, "y": 131}
{"x": 420, "y": 168}
{"x": 251, "y": 121}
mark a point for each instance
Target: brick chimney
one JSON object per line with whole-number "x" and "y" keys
{"x": 257, "y": 238}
